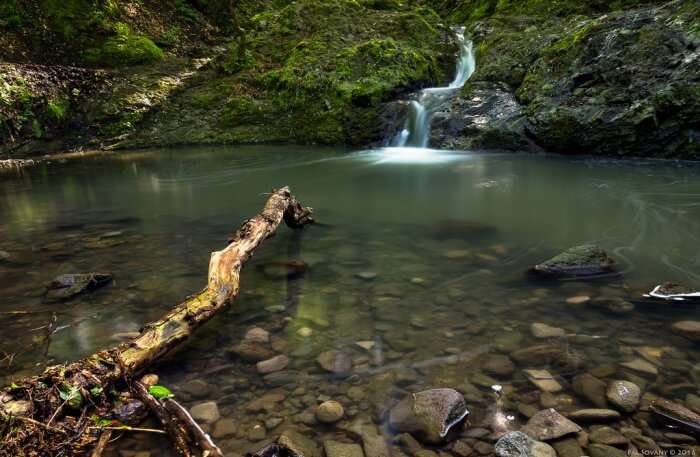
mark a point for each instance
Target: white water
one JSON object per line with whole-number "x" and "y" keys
{"x": 416, "y": 129}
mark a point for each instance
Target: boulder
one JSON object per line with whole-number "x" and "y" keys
{"x": 429, "y": 414}
{"x": 585, "y": 260}
{"x": 69, "y": 285}
{"x": 548, "y": 425}
{"x": 624, "y": 395}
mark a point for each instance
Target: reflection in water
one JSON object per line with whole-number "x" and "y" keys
{"x": 416, "y": 273}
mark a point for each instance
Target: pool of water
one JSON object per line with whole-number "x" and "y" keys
{"x": 420, "y": 255}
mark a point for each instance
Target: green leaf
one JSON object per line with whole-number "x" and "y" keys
{"x": 100, "y": 421}
{"x": 160, "y": 392}
{"x": 71, "y": 395}
{"x": 14, "y": 386}
{"x": 96, "y": 391}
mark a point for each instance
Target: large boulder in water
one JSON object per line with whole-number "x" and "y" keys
{"x": 68, "y": 285}
{"x": 429, "y": 414}
{"x": 585, "y": 260}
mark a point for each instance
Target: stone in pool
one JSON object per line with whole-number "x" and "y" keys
{"x": 338, "y": 449}
{"x": 69, "y": 285}
{"x": 329, "y": 412}
{"x": 335, "y": 362}
{"x": 689, "y": 329}
{"x": 595, "y": 415}
{"x": 591, "y": 388}
{"x": 675, "y": 415}
{"x": 277, "y": 363}
{"x": 585, "y": 260}
{"x": 548, "y": 425}
{"x": 298, "y": 445}
{"x": 518, "y": 444}
{"x": 624, "y": 395}
{"x": 429, "y": 414}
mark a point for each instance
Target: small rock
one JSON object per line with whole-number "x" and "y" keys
{"x": 624, "y": 395}
{"x": 257, "y": 433}
{"x": 207, "y": 412}
{"x": 224, "y": 428}
{"x": 252, "y": 352}
{"x": 689, "y": 329}
{"x": 273, "y": 422}
{"x": 641, "y": 366}
{"x": 614, "y": 305}
{"x": 540, "y": 330}
{"x": 594, "y": 415}
{"x": 366, "y": 345}
{"x": 329, "y": 412}
{"x": 22, "y": 408}
{"x": 335, "y": 362}
{"x": 548, "y": 425}
{"x": 607, "y": 435}
{"x": 374, "y": 443}
{"x": 276, "y": 363}
{"x": 499, "y": 365}
{"x": 602, "y": 450}
{"x": 366, "y": 275}
{"x": 196, "y": 388}
{"x": 149, "y": 380}
{"x": 257, "y": 335}
{"x": 338, "y": 449}
{"x": 518, "y": 444}
{"x": 567, "y": 447}
{"x": 462, "y": 449}
{"x": 543, "y": 380}
{"x": 298, "y": 444}
{"x": 68, "y": 285}
{"x": 586, "y": 260}
{"x": 430, "y": 414}
{"x": 676, "y": 415}
{"x": 590, "y": 388}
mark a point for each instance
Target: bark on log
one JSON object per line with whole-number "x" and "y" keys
{"x": 105, "y": 368}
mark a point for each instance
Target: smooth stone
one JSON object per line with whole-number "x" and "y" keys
{"x": 518, "y": 444}
{"x": 366, "y": 275}
{"x": 641, "y": 366}
{"x": 693, "y": 402}
{"x": 595, "y": 415}
{"x": 273, "y": 422}
{"x": 543, "y": 355}
{"x": 257, "y": 432}
{"x": 329, "y": 412}
{"x": 336, "y": 362}
{"x": 567, "y": 447}
{"x": 276, "y": 363}
{"x": 544, "y": 380}
{"x": 462, "y": 449}
{"x": 207, "y": 412}
{"x": 615, "y": 305}
{"x": 498, "y": 365}
{"x": 257, "y": 335}
{"x": 429, "y": 414}
{"x": 196, "y": 388}
{"x": 541, "y": 330}
{"x": 266, "y": 402}
{"x": 252, "y": 352}
{"x": 224, "y": 428}
{"x": 149, "y": 379}
{"x": 602, "y": 450}
{"x": 548, "y": 424}
{"x": 590, "y": 388}
{"x": 689, "y": 329}
{"x": 607, "y": 435}
{"x": 338, "y": 449}
{"x": 298, "y": 444}
{"x": 624, "y": 395}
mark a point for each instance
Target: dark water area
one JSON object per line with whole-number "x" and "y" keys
{"x": 420, "y": 258}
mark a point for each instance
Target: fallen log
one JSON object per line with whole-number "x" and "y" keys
{"x": 64, "y": 398}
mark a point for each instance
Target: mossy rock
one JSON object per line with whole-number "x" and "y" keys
{"x": 585, "y": 260}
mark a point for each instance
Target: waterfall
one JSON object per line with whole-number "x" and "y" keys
{"x": 416, "y": 129}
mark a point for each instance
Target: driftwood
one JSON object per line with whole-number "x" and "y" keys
{"x": 94, "y": 377}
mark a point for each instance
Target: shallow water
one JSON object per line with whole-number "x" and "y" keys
{"x": 448, "y": 235}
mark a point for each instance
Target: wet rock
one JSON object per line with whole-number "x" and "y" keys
{"x": 674, "y": 292}
{"x": 329, "y": 412}
{"x": 276, "y": 363}
{"x": 608, "y": 436}
{"x": 257, "y": 335}
{"x": 567, "y": 447}
{"x": 602, "y": 450}
{"x": 429, "y": 414}
{"x": 335, "y": 362}
{"x": 585, "y": 260}
{"x": 518, "y": 444}
{"x": 305, "y": 332}
{"x": 281, "y": 378}
{"x": 195, "y": 388}
{"x": 373, "y": 442}
{"x": 590, "y": 388}
{"x": 273, "y": 422}
{"x": 548, "y": 425}
{"x": 338, "y": 449}
{"x": 207, "y": 412}
{"x": 689, "y": 329}
{"x": 366, "y": 275}
{"x": 252, "y": 352}
{"x": 614, "y": 305}
{"x": 675, "y": 415}
{"x": 224, "y": 428}
{"x": 366, "y": 345}
{"x": 298, "y": 444}
{"x": 498, "y": 365}
{"x": 543, "y": 380}
{"x": 266, "y": 402}
{"x": 257, "y": 432}
{"x": 641, "y": 366}
{"x": 22, "y": 408}
{"x": 541, "y": 330}
{"x": 624, "y": 395}
{"x": 69, "y": 285}
{"x": 594, "y": 415}
{"x": 462, "y": 449}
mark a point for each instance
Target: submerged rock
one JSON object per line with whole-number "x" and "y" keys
{"x": 548, "y": 425}
{"x": 518, "y": 444}
{"x": 68, "y": 285}
{"x": 594, "y": 415}
{"x": 276, "y": 363}
{"x": 462, "y": 229}
{"x": 602, "y": 450}
{"x": 624, "y": 395}
{"x": 329, "y": 412}
{"x": 252, "y": 352}
{"x": 298, "y": 445}
{"x": 336, "y": 362}
{"x": 207, "y": 412}
{"x": 541, "y": 330}
{"x": 429, "y": 414}
{"x": 338, "y": 449}
{"x": 21, "y": 408}
{"x": 675, "y": 415}
{"x": 585, "y": 260}
{"x": 689, "y": 329}
{"x": 591, "y": 388}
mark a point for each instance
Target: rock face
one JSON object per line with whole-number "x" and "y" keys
{"x": 429, "y": 414}
{"x": 518, "y": 444}
{"x": 69, "y": 285}
{"x": 624, "y": 395}
{"x": 585, "y": 260}
{"x": 548, "y": 425}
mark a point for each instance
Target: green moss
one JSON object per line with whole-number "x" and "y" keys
{"x": 57, "y": 109}
{"x": 125, "y": 47}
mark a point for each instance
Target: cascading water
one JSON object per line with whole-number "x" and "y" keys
{"x": 416, "y": 129}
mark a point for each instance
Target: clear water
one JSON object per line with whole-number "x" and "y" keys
{"x": 446, "y": 294}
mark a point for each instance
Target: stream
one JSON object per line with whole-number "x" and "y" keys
{"x": 420, "y": 258}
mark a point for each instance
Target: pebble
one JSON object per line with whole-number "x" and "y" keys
{"x": 366, "y": 275}
{"x": 498, "y": 365}
{"x": 257, "y": 433}
{"x": 335, "y": 362}
{"x": 207, "y": 412}
{"x": 366, "y": 345}
{"x": 276, "y": 363}
{"x": 541, "y": 330}
{"x": 548, "y": 424}
{"x": 257, "y": 335}
{"x": 329, "y": 412}
{"x": 602, "y": 450}
{"x": 607, "y": 435}
{"x": 224, "y": 428}
{"x": 196, "y": 388}
{"x": 689, "y": 329}
{"x": 149, "y": 380}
